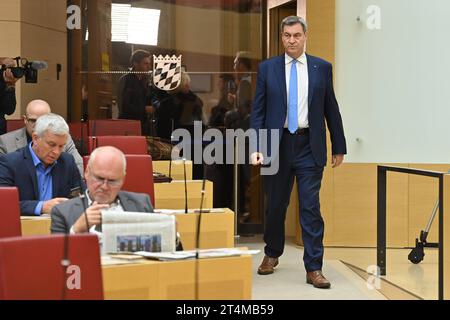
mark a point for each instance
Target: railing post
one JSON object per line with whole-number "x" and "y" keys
{"x": 441, "y": 240}
{"x": 381, "y": 220}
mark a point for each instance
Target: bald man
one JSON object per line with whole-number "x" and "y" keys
{"x": 105, "y": 175}
{"x": 14, "y": 140}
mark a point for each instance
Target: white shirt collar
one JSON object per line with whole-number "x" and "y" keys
{"x": 288, "y": 59}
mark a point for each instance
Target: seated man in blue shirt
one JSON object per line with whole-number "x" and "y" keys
{"x": 44, "y": 175}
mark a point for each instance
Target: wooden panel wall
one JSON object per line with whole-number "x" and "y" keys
{"x": 36, "y": 29}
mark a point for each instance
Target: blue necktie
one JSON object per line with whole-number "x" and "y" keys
{"x": 293, "y": 100}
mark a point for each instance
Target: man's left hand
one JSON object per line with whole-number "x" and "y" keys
{"x": 336, "y": 160}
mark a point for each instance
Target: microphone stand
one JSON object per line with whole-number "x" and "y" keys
{"x": 83, "y": 122}
{"x": 82, "y": 197}
{"x": 197, "y": 240}
{"x": 185, "y": 188}
{"x": 65, "y": 263}
{"x": 170, "y": 160}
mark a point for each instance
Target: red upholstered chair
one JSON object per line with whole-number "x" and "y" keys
{"x": 31, "y": 269}
{"x": 14, "y": 124}
{"x": 10, "y": 213}
{"x": 128, "y": 144}
{"x": 139, "y": 174}
{"x": 114, "y": 127}
{"x": 103, "y": 127}
{"x": 79, "y": 133}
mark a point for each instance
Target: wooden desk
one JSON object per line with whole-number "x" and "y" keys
{"x": 219, "y": 278}
{"x": 177, "y": 173}
{"x": 217, "y": 228}
{"x": 35, "y": 226}
{"x": 171, "y": 195}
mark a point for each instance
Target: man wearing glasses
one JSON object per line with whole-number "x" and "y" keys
{"x": 41, "y": 171}
{"x": 105, "y": 175}
{"x": 14, "y": 140}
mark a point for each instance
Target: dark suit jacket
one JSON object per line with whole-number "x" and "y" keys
{"x": 270, "y": 105}
{"x": 65, "y": 214}
{"x": 17, "y": 169}
{"x": 14, "y": 140}
{"x": 134, "y": 96}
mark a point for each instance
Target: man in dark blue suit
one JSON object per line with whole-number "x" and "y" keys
{"x": 294, "y": 96}
{"x": 43, "y": 174}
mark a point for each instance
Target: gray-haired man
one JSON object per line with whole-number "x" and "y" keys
{"x": 42, "y": 172}
{"x": 14, "y": 140}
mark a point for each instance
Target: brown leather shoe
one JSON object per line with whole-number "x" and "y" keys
{"x": 317, "y": 279}
{"x": 267, "y": 265}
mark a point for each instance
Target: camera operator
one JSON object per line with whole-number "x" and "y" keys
{"x": 7, "y": 92}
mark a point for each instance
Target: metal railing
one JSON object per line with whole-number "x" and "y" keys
{"x": 381, "y": 218}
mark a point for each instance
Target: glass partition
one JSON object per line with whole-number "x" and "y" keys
{"x": 120, "y": 70}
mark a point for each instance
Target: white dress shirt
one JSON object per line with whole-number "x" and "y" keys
{"x": 302, "y": 86}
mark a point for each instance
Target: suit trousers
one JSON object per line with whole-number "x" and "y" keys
{"x": 295, "y": 160}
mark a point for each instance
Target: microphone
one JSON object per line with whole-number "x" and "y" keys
{"x": 197, "y": 240}
{"x": 82, "y": 197}
{"x": 170, "y": 160}
{"x": 39, "y": 65}
{"x": 65, "y": 263}
{"x": 185, "y": 187}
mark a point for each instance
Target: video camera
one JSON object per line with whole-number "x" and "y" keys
{"x": 26, "y": 68}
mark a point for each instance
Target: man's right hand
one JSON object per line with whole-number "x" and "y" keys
{"x": 94, "y": 217}
{"x": 257, "y": 158}
{"x": 49, "y": 204}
